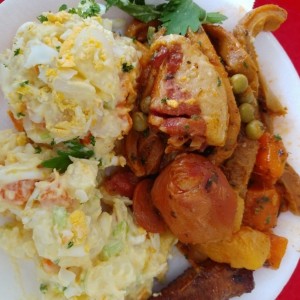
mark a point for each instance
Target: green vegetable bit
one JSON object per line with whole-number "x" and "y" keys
{"x": 63, "y": 7}
{"x": 42, "y": 18}
{"x": 254, "y": 129}
{"x": 70, "y": 245}
{"x": 239, "y": 83}
{"x": 43, "y": 288}
{"x": 177, "y": 16}
{"x": 126, "y": 68}
{"x": 247, "y": 112}
{"x": 71, "y": 148}
{"x": 17, "y": 51}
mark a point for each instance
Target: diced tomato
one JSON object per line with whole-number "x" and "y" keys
{"x": 144, "y": 211}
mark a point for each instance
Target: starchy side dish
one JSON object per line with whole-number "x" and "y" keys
{"x": 127, "y": 145}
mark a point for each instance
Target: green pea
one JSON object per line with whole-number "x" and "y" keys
{"x": 145, "y": 104}
{"x": 139, "y": 121}
{"x": 247, "y": 97}
{"x": 247, "y": 112}
{"x": 239, "y": 83}
{"x": 255, "y": 129}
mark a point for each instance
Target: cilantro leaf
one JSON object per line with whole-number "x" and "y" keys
{"x": 71, "y": 148}
{"x": 137, "y": 9}
{"x": 214, "y": 17}
{"x": 177, "y": 16}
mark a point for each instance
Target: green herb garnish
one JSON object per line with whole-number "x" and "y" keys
{"x": 164, "y": 100}
{"x": 126, "y": 67}
{"x": 86, "y": 8}
{"x": 42, "y": 18}
{"x": 20, "y": 115}
{"x": 26, "y": 82}
{"x": 43, "y": 288}
{"x": 69, "y": 149}
{"x": 70, "y": 245}
{"x": 63, "y": 7}
{"x": 93, "y": 140}
{"x": 277, "y": 137}
{"x": 17, "y": 51}
{"x": 177, "y": 16}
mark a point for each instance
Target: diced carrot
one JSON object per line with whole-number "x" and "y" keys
{"x": 278, "y": 248}
{"x": 18, "y": 123}
{"x": 261, "y": 208}
{"x": 270, "y": 159}
{"x": 49, "y": 267}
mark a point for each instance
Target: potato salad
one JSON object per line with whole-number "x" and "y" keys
{"x": 70, "y": 82}
{"x": 68, "y": 76}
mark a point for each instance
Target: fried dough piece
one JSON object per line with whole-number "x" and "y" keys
{"x": 220, "y": 154}
{"x": 213, "y": 281}
{"x": 264, "y": 18}
{"x": 188, "y": 97}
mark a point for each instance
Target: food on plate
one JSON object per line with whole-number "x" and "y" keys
{"x": 197, "y": 283}
{"x": 84, "y": 243}
{"x": 68, "y": 76}
{"x": 192, "y": 186}
{"x": 126, "y": 145}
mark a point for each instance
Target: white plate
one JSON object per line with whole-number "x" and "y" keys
{"x": 18, "y": 282}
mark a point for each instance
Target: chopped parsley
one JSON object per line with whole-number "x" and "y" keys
{"x": 245, "y": 65}
{"x": 86, "y": 9}
{"x": 177, "y": 16}
{"x": 219, "y": 82}
{"x": 186, "y": 127}
{"x": 63, "y": 7}
{"x": 126, "y": 67}
{"x": 70, "y": 245}
{"x": 42, "y": 18}
{"x": 72, "y": 148}
{"x": 43, "y": 288}
{"x": 17, "y": 51}
{"x": 20, "y": 115}
{"x": 268, "y": 220}
{"x": 277, "y": 137}
{"x": 37, "y": 149}
{"x": 93, "y": 140}
{"x": 26, "y": 82}
{"x": 164, "y": 100}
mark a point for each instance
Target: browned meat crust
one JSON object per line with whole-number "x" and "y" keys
{"x": 239, "y": 167}
{"x": 290, "y": 183}
{"x": 213, "y": 281}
